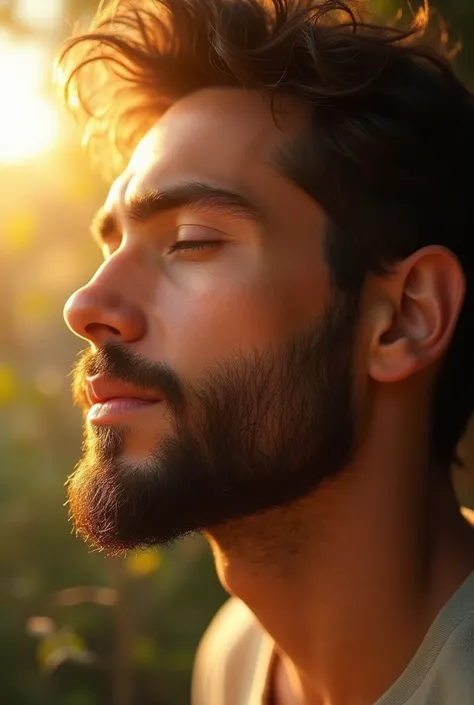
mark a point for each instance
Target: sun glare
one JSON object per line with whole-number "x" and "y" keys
{"x": 28, "y": 121}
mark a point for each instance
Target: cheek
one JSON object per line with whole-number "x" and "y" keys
{"x": 217, "y": 311}
{"x": 221, "y": 323}
{"x": 216, "y": 320}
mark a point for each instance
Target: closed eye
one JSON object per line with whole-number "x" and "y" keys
{"x": 193, "y": 245}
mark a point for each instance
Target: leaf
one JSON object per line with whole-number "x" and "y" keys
{"x": 144, "y": 652}
{"x": 62, "y": 646}
{"x": 145, "y": 563}
{"x": 80, "y": 697}
{"x": 8, "y": 384}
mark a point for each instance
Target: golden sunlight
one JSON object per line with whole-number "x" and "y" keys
{"x": 28, "y": 121}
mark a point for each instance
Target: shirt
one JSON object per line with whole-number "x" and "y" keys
{"x": 234, "y": 661}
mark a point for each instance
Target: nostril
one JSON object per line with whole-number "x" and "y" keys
{"x": 93, "y": 329}
{"x": 97, "y": 315}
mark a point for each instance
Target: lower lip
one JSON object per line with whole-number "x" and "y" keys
{"x": 118, "y": 408}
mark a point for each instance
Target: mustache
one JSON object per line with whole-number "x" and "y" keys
{"x": 123, "y": 365}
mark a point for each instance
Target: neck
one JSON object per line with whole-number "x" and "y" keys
{"x": 354, "y": 574}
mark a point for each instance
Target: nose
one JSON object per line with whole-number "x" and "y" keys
{"x": 101, "y": 312}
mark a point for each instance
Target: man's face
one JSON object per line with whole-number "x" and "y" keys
{"x": 219, "y": 379}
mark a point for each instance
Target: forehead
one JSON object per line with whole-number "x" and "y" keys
{"x": 224, "y": 136}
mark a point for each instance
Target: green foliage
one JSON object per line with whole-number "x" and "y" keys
{"x": 452, "y": 19}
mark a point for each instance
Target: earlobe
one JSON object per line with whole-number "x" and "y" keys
{"x": 422, "y": 302}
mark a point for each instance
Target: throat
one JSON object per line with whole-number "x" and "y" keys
{"x": 339, "y": 589}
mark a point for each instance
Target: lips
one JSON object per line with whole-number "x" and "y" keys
{"x": 114, "y": 402}
{"x": 101, "y": 389}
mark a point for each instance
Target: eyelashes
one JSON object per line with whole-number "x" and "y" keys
{"x": 193, "y": 245}
{"x": 187, "y": 239}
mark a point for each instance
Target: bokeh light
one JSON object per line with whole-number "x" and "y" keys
{"x": 39, "y": 14}
{"x": 28, "y": 120}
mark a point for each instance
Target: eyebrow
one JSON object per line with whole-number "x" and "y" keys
{"x": 192, "y": 195}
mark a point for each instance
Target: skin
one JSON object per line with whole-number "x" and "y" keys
{"x": 354, "y": 573}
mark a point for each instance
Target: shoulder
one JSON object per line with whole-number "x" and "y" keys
{"x": 227, "y": 655}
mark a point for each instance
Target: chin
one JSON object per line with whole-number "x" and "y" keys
{"x": 135, "y": 457}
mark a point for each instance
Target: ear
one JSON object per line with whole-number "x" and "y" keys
{"x": 417, "y": 314}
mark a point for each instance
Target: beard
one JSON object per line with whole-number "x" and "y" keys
{"x": 257, "y": 431}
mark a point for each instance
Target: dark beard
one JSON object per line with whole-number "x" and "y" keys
{"x": 257, "y": 432}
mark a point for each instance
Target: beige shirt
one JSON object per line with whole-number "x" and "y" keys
{"x": 234, "y": 661}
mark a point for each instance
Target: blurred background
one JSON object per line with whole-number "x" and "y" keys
{"x": 77, "y": 628}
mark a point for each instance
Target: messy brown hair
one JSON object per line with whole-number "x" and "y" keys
{"x": 140, "y": 57}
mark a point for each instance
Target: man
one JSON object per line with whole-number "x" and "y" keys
{"x": 279, "y": 354}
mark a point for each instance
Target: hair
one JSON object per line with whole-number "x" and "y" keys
{"x": 390, "y": 149}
